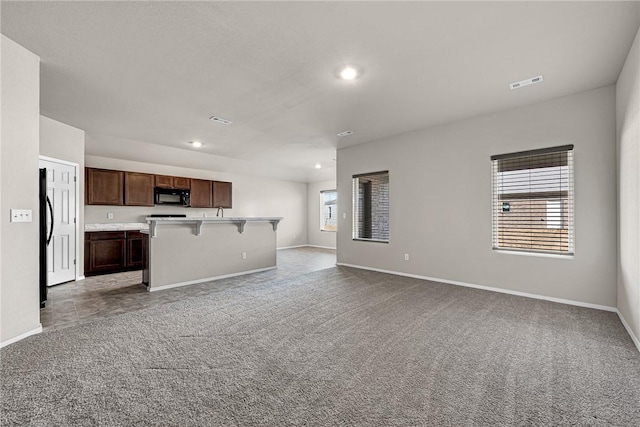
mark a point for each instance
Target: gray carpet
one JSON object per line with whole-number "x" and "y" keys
{"x": 333, "y": 347}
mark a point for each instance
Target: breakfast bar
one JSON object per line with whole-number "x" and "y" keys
{"x": 185, "y": 251}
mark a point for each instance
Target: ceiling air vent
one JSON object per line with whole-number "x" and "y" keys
{"x": 345, "y": 133}
{"x": 220, "y": 120}
{"x": 527, "y": 82}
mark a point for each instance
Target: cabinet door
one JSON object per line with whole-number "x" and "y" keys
{"x": 106, "y": 255}
{"x": 138, "y": 189}
{"x": 181, "y": 183}
{"x": 164, "y": 181}
{"x": 222, "y": 194}
{"x": 200, "y": 193}
{"x": 104, "y": 187}
{"x": 134, "y": 249}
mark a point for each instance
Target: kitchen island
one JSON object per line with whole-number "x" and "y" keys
{"x": 185, "y": 251}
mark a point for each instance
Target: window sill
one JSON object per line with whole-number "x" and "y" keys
{"x": 370, "y": 240}
{"x": 329, "y": 231}
{"x": 537, "y": 254}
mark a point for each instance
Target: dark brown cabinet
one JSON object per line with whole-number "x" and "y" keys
{"x": 110, "y": 187}
{"x": 104, "y": 252}
{"x": 135, "y": 249}
{"x": 104, "y": 187}
{"x": 113, "y": 251}
{"x": 177, "y": 182}
{"x": 138, "y": 189}
{"x": 181, "y": 183}
{"x": 201, "y": 196}
{"x": 222, "y": 195}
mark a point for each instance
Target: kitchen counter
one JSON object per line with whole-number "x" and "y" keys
{"x": 116, "y": 226}
{"x": 184, "y": 251}
{"x": 240, "y": 222}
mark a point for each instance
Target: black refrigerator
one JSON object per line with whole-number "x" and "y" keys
{"x": 46, "y": 231}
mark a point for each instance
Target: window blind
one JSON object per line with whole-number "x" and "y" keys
{"x": 533, "y": 207}
{"x": 371, "y": 206}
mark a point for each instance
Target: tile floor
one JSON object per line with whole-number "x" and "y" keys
{"x": 100, "y": 296}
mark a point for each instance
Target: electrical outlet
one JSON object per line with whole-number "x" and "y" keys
{"x": 244, "y": 255}
{"x": 344, "y": 215}
{"x": 406, "y": 257}
{"x": 21, "y": 215}
{"x": 109, "y": 215}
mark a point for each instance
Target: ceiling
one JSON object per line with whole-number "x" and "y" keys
{"x": 156, "y": 71}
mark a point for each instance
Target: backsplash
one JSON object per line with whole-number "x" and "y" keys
{"x": 128, "y": 214}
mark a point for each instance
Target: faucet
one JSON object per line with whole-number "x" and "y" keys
{"x": 220, "y": 212}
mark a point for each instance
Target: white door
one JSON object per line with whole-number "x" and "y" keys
{"x": 61, "y": 251}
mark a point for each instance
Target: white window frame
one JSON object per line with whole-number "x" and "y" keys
{"x": 355, "y": 209}
{"x": 570, "y": 211}
{"x": 322, "y": 222}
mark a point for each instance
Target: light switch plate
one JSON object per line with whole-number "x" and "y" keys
{"x": 21, "y": 215}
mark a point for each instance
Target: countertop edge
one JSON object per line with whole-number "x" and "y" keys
{"x": 217, "y": 219}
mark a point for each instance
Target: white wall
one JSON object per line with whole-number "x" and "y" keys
{"x": 315, "y": 236}
{"x": 252, "y": 196}
{"x": 628, "y": 145}
{"x": 19, "y": 286}
{"x": 440, "y": 199}
{"x": 64, "y": 142}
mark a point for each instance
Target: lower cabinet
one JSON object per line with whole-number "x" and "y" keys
{"x": 135, "y": 249}
{"x": 112, "y": 251}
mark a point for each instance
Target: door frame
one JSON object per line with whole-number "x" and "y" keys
{"x": 76, "y": 167}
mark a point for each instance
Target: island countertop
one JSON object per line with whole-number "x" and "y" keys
{"x": 200, "y": 221}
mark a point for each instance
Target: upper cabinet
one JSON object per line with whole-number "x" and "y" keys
{"x": 201, "y": 196}
{"x": 104, "y": 187}
{"x": 110, "y": 187}
{"x": 165, "y": 181}
{"x": 222, "y": 195}
{"x": 138, "y": 189}
{"x": 182, "y": 183}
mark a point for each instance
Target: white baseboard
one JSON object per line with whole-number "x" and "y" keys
{"x": 80, "y": 278}
{"x": 489, "y": 288}
{"x": 208, "y": 279}
{"x": 292, "y": 247}
{"x": 635, "y": 339}
{"x": 22, "y": 336}
{"x": 321, "y": 247}
{"x": 307, "y": 246}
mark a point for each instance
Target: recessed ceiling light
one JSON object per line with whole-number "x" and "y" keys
{"x": 527, "y": 82}
{"x": 220, "y": 120}
{"x": 318, "y": 165}
{"x": 196, "y": 144}
{"x": 345, "y": 133}
{"x": 349, "y": 72}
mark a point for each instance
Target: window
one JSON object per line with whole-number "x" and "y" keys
{"x": 329, "y": 210}
{"x": 371, "y": 207}
{"x": 533, "y": 201}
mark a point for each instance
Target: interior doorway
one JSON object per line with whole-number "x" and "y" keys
{"x": 62, "y": 220}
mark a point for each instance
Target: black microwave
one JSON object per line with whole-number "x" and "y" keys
{"x": 169, "y": 196}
